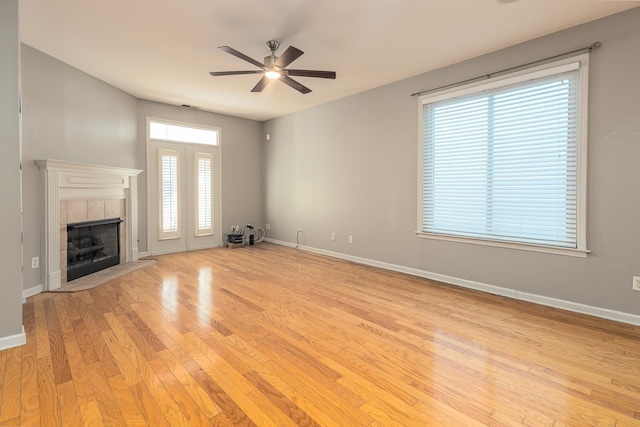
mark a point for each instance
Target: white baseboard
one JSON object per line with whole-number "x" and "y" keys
{"x": 31, "y": 291}
{"x": 604, "y": 313}
{"x": 279, "y": 242}
{"x": 143, "y": 254}
{"x": 13, "y": 340}
{"x": 197, "y": 248}
{"x": 200, "y": 248}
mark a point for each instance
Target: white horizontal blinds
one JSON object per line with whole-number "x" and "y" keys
{"x": 502, "y": 164}
{"x": 169, "y": 174}
{"x": 204, "y": 193}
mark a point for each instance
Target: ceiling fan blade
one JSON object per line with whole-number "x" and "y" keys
{"x": 289, "y": 55}
{"x": 241, "y": 55}
{"x": 261, "y": 84}
{"x": 313, "y": 73}
{"x": 294, "y": 84}
{"x": 232, "y": 73}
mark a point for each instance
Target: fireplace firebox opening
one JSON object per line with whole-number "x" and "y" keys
{"x": 92, "y": 246}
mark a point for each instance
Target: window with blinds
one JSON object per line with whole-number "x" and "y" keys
{"x": 501, "y": 161}
{"x": 169, "y": 165}
{"x": 204, "y": 193}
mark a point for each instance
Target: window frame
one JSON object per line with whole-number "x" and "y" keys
{"x": 184, "y": 125}
{"x": 520, "y": 76}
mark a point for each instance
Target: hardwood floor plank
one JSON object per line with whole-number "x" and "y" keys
{"x": 29, "y": 395}
{"x": 230, "y": 408}
{"x": 105, "y": 399}
{"x": 268, "y": 335}
{"x": 81, "y": 382}
{"x": 270, "y": 409}
{"x": 10, "y": 407}
{"x": 69, "y": 409}
{"x": 126, "y": 402}
{"x": 126, "y": 367}
{"x": 61, "y": 370}
{"x": 91, "y": 415}
{"x": 184, "y": 401}
{"x": 100, "y": 347}
{"x": 3, "y": 367}
{"x": 84, "y": 341}
{"x": 301, "y": 390}
{"x": 42, "y": 332}
{"x": 235, "y": 386}
{"x": 64, "y": 322}
{"x": 197, "y": 393}
{"x": 148, "y": 406}
{"x": 146, "y": 333}
{"x": 29, "y": 324}
{"x": 47, "y": 393}
{"x": 289, "y": 408}
{"x": 138, "y": 339}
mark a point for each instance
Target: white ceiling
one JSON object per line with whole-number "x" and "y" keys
{"x": 163, "y": 50}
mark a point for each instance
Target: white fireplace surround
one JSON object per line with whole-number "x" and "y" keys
{"x": 72, "y": 181}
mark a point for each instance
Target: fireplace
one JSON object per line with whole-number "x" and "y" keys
{"x": 92, "y": 246}
{"x": 79, "y": 192}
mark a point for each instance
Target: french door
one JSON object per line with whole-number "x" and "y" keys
{"x": 184, "y": 199}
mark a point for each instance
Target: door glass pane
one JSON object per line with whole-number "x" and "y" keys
{"x": 204, "y": 190}
{"x": 169, "y": 195}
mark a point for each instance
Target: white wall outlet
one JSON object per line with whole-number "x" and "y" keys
{"x": 636, "y": 283}
{"x": 333, "y": 236}
{"x": 35, "y": 262}
{"x": 267, "y": 226}
{"x": 350, "y": 238}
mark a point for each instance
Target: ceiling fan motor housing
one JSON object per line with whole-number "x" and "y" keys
{"x": 269, "y": 62}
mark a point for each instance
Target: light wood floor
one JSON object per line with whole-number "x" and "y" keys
{"x": 270, "y": 336}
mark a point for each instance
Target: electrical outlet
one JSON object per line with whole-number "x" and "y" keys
{"x": 350, "y": 238}
{"x": 35, "y": 262}
{"x": 636, "y": 283}
{"x": 333, "y": 236}
{"x": 267, "y": 226}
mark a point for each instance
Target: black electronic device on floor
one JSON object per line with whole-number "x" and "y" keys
{"x": 234, "y": 238}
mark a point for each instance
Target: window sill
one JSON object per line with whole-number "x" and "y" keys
{"x": 579, "y": 253}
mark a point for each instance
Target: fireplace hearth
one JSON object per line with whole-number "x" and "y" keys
{"x": 92, "y": 246}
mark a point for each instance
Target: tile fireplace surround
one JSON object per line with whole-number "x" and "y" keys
{"x": 85, "y": 190}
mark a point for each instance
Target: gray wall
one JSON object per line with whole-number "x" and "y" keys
{"x": 10, "y": 221}
{"x": 68, "y": 115}
{"x": 350, "y": 167}
{"x": 241, "y": 162}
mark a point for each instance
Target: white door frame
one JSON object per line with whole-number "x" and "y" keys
{"x": 217, "y": 175}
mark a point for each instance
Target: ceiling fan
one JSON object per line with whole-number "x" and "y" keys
{"x": 274, "y": 67}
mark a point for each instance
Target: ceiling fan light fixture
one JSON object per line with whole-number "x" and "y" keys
{"x": 272, "y": 74}
{"x": 275, "y": 68}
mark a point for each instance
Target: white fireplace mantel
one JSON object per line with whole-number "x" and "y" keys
{"x": 68, "y": 181}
